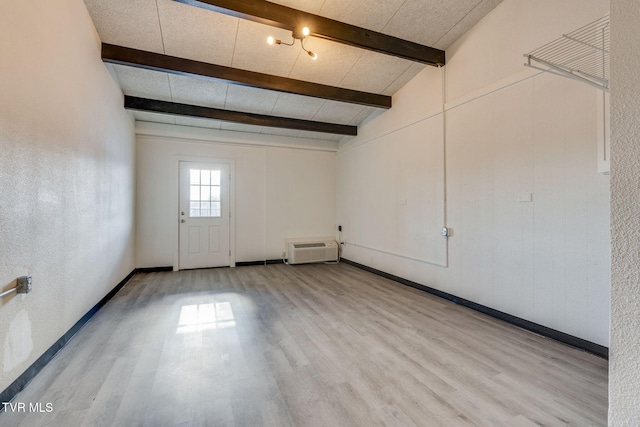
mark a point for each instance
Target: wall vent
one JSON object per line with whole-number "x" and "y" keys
{"x": 312, "y": 251}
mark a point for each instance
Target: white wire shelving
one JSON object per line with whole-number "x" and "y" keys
{"x": 581, "y": 55}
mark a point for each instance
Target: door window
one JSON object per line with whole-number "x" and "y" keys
{"x": 204, "y": 196}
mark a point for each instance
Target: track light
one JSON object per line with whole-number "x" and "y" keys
{"x": 296, "y": 35}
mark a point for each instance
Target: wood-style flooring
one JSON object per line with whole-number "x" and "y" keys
{"x": 309, "y": 345}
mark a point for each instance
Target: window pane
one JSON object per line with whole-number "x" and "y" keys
{"x": 194, "y": 209}
{"x": 194, "y": 176}
{"x": 205, "y": 193}
{"x": 215, "y": 194}
{"x": 195, "y": 193}
{"x": 206, "y": 177}
{"x": 205, "y": 209}
{"x": 215, "y": 177}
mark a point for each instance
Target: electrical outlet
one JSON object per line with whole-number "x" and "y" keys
{"x": 339, "y": 228}
{"x": 24, "y": 285}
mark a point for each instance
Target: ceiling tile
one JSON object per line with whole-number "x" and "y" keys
{"x": 254, "y": 54}
{"x": 296, "y": 106}
{"x": 366, "y": 112}
{"x": 198, "y": 34}
{"x": 337, "y": 112}
{"x": 370, "y": 14}
{"x": 199, "y": 123}
{"x": 404, "y": 78}
{"x": 374, "y": 72}
{"x": 143, "y": 83}
{"x": 333, "y": 63}
{"x": 249, "y": 99}
{"x": 465, "y": 24}
{"x": 131, "y": 23}
{"x": 426, "y": 21}
{"x": 189, "y": 90}
{"x": 144, "y": 116}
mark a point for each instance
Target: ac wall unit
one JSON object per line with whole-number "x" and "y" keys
{"x": 305, "y": 252}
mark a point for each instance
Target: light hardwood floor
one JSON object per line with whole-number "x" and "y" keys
{"x": 310, "y": 345}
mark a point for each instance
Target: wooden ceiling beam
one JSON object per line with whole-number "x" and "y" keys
{"x": 156, "y": 106}
{"x": 170, "y": 64}
{"x": 287, "y": 18}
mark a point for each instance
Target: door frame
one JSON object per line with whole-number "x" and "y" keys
{"x": 175, "y": 216}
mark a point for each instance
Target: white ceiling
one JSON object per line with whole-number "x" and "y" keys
{"x": 172, "y": 28}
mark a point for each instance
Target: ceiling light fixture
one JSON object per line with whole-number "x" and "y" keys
{"x": 297, "y": 35}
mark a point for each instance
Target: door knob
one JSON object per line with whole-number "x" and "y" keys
{"x": 182, "y": 220}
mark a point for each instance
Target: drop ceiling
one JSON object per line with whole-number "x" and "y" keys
{"x": 172, "y": 28}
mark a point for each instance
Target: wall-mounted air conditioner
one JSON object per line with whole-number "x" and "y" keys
{"x": 301, "y": 252}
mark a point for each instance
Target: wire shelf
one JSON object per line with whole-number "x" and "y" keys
{"x": 582, "y": 55}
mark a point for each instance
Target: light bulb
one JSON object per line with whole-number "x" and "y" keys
{"x": 312, "y": 55}
{"x": 305, "y": 31}
{"x": 270, "y": 40}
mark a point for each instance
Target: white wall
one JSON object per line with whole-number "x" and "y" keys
{"x": 300, "y": 194}
{"x": 66, "y": 168}
{"x": 391, "y": 189}
{"x": 510, "y": 132}
{"x": 280, "y": 192}
{"x": 624, "y": 362}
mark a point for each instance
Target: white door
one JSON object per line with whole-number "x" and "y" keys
{"x": 204, "y": 215}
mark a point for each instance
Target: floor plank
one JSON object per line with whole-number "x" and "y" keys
{"x": 308, "y": 345}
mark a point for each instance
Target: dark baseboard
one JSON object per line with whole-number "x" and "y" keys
{"x": 238, "y": 264}
{"x": 597, "y": 349}
{"x": 265, "y": 262}
{"x": 152, "y": 269}
{"x": 21, "y": 382}
{"x": 249, "y": 263}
